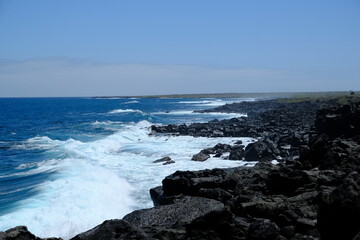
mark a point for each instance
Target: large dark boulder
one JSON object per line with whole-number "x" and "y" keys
{"x": 287, "y": 180}
{"x": 332, "y": 154}
{"x": 216, "y": 225}
{"x": 215, "y": 193}
{"x": 263, "y": 230}
{"x": 261, "y": 151}
{"x": 339, "y": 212}
{"x": 190, "y": 182}
{"x": 237, "y": 152}
{"x": 184, "y": 210}
{"x": 163, "y": 159}
{"x": 341, "y": 121}
{"x": 156, "y": 195}
{"x": 314, "y": 153}
{"x": 342, "y": 155}
{"x": 21, "y": 233}
{"x": 200, "y": 157}
{"x": 111, "y": 230}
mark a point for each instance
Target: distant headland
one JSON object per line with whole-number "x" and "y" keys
{"x": 241, "y": 95}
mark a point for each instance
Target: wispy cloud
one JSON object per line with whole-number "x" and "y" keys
{"x": 72, "y": 77}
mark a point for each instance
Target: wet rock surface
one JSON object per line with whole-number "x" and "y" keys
{"x": 21, "y": 233}
{"x": 313, "y": 193}
{"x": 200, "y": 157}
{"x": 163, "y": 160}
{"x": 182, "y": 210}
{"x": 113, "y": 229}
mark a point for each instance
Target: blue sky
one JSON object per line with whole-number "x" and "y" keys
{"x": 123, "y": 47}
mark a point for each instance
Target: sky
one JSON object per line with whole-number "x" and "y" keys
{"x": 65, "y": 48}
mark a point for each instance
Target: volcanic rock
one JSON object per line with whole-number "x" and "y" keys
{"x": 263, "y": 229}
{"x": 184, "y": 210}
{"x": 113, "y": 229}
{"x": 164, "y": 159}
{"x": 21, "y": 233}
{"x": 200, "y": 157}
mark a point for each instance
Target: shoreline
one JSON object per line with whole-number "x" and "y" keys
{"x": 261, "y": 95}
{"x": 306, "y": 196}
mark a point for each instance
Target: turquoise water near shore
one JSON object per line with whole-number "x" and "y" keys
{"x": 67, "y": 164}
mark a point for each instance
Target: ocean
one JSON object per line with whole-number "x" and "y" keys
{"x": 68, "y": 164}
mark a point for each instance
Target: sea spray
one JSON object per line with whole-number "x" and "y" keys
{"x": 79, "y": 196}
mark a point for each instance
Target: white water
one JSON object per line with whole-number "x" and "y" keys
{"x": 103, "y": 179}
{"x": 131, "y": 102}
{"x": 106, "y": 123}
{"x": 185, "y": 112}
{"x": 213, "y": 102}
{"x": 199, "y": 117}
{"x": 126, "y": 111}
{"x": 80, "y": 197}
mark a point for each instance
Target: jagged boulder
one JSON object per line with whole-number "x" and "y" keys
{"x": 341, "y": 121}
{"x": 21, "y": 233}
{"x": 190, "y": 182}
{"x": 287, "y": 180}
{"x": 200, "y": 157}
{"x": 339, "y": 210}
{"x": 183, "y": 210}
{"x": 263, "y": 230}
{"x": 111, "y": 230}
{"x": 332, "y": 154}
{"x": 263, "y": 150}
{"x": 237, "y": 152}
{"x": 216, "y": 225}
{"x": 163, "y": 159}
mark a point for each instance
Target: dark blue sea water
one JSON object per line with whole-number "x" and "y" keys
{"x": 67, "y": 164}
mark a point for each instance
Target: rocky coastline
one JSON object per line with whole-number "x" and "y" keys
{"x": 313, "y": 193}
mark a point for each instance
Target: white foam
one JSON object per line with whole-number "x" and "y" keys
{"x": 130, "y": 152}
{"x": 275, "y": 162}
{"x": 126, "y": 111}
{"x": 216, "y": 102}
{"x": 205, "y": 103}
{"x": 106, "y": 122}
{"x": 131, "y": 102}
{"x": 107, "y": 98}
{"x": 82, "y": 196}
{"x": 185, "y": 112}
{"x": 40, "y": 143}
{"x": 196, "y": 102}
